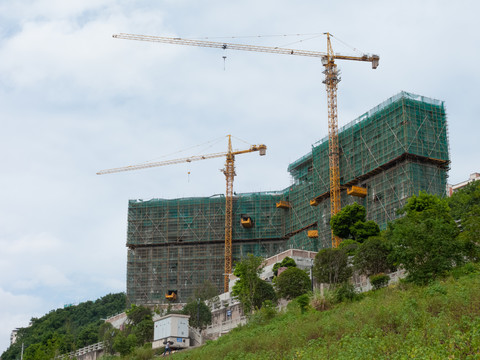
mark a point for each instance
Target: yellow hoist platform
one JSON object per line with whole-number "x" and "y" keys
{"x": 312, "y": 233}
{"x": 357, "y": 191}
{"x": 171, "y": 295}
{"x": 283, "y": 204}
{"x": 313, "y": 202}
{"x": 246, "y": 221}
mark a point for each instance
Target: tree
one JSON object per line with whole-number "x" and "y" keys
{"x": 331, "y": 266}
{"x": 372, "y": 256}
{"x": 140, "y": 323}
{"x": 470, "y": 235}
{"x": 200, "y": 313}
{"x": 107, "y": 333}
{"x": 124, "y": 344}
{"x": 351, "y": 223}
{"x": 286, "y": 262}
{"x": 65, "y": 329}
{"x": 362, "y": 230}
{"x": 250, "y": 290}
{"x": 292, "y": 283}
{"x": 264, "y": 292}
{"x": 462, "y": 201}
{"x": 350, "y": 246}
{"x": 465, "y": 209}
{"x": 88, "y": 335}
{"x": 205, "y": 291}
{"x": 138, "y": 313}
{"x": 143, "y": 331}
{"x": 425, "y": 240}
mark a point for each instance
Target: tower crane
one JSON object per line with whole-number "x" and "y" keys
{"x": 229, "y": 172}
{"x": 332, "y": 78}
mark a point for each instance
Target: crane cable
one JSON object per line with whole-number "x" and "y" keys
{"x": 210, "y": 143}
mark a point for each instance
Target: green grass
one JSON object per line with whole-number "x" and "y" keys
{"x": 439, "y": 321}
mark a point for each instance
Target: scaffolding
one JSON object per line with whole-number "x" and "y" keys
{"x": 178, "y": 244}
{"x": 393, "y": 151}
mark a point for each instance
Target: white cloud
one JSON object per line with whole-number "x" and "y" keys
{"x": 16, "y": 311}
{"x": 31, "y": 245}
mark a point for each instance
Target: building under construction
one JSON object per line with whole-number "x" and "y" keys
{"x": 393, "y": 151}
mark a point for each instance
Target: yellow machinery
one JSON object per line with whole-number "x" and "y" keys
{"x": 229, "y": 172}
{"x": 171, "y": 295}
{"x": 332, "y": 78}
{"x": 283, "y": 204}
{"x": 312, "y": 233}
{"x": 357, "y": 191}
{"x": 246, "y": 222}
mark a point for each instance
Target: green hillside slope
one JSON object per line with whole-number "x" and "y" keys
{"x": 439, "y": 321}
{"x": 64, "y": 330}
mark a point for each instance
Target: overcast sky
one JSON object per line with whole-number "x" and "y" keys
{"x": 73, "y": 101}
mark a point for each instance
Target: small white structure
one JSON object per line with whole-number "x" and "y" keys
{"x": 452, "y": 188}
{"x": 173, "y": 328}
{"x": 13, "y": 336}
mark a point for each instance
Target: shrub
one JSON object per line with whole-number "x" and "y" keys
{"x": 287, "y": 262}
{"x": 299, "y": 304}
{"x": 292, "y": 283}
{"x": 346, "y": 292}
{"x": 142, "y": 353}
{"x": 379, "y": 280}
{"x": 321, "y": 302}
{"x": 468, "y": 268}
{"x": 303, "y": 301}
{"x": 265, "y": 314}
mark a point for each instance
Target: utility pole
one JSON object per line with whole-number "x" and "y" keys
{"x": 198, "y": 312}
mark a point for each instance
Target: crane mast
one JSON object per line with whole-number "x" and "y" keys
{"x": 229, "y": 172}
{"x": 332, "y": 78}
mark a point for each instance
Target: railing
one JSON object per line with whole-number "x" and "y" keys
{"x": 196, "y": 337}
{"x": 82, "y": 351}
{"x": 226, "y": 325}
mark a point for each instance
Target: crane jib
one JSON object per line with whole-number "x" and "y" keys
{"x": 244, "y": 47}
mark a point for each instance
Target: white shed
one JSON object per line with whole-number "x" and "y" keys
{"x": 173, "y": 328}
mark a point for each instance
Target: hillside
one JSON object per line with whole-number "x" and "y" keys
{"x": 63, "y": 330}
{"x": 438, "y": 321}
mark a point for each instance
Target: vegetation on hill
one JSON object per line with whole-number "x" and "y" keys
{"x": 408, "y": 321}
{"x": 433, "y": 314}
{"x": 64, "y": 330}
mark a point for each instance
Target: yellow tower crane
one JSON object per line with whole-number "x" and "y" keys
{"x": 229, "y": 172}
{"x": 332, "y": 78}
